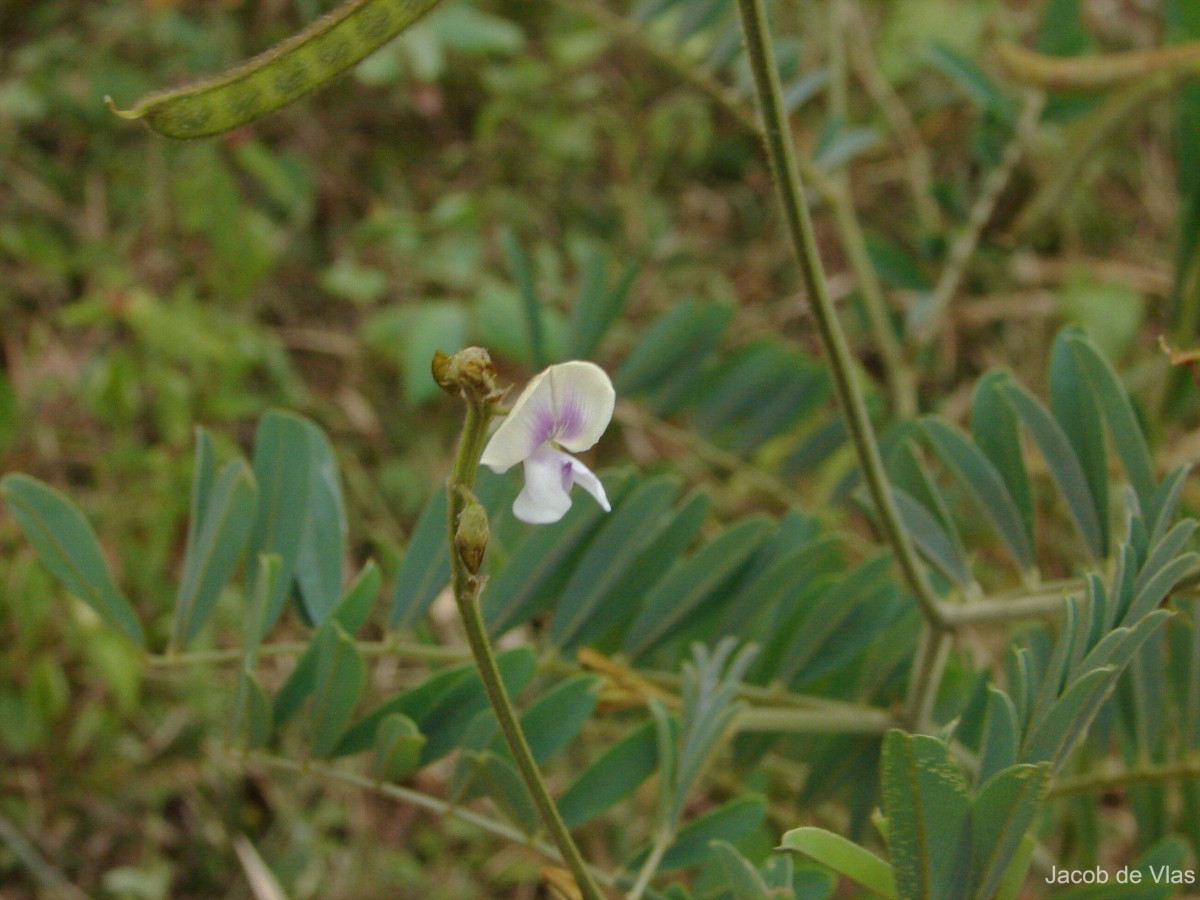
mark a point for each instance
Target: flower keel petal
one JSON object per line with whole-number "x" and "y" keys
{"x": 586, "y": 479}
{"x": 545, "y": 497}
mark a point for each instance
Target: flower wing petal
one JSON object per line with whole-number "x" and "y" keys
{"x": 527, "y": 426}
{"x": 545, "y": 497}
{"x": 586, "y": 479}
{"x": 583, "y": 400}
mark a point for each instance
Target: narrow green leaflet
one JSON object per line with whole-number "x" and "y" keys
{"x": 560, "y": 714}
{"x": 1123, "y": 425}
{"x": 844, "y": 857}
{"x": 282, "y": 468}
{"x": 931, "y": 538}
{"x": 996, "y": 430}
{"x": 203, "y": 476}
{"x": 254, "y": 724}
{"x": 228, "y": 514}
{"x": 341, "y": 676}
{"x": 1002, "y": 813}
{"x": 742, "y": 878}
{"x": 927, "y": 804}
{"x": 351, "y": 613}
{"x": 425, "y": 569}
{"x": 502, "y": 783}
{"x": 690, "y": 582}
{"x": 1001, "y": 735}
{"x": 611, "y": 778}
{"x": 985, "y": 486}
{"x": 67, "y": 546}
{"x": 322, "y": 553}
{"x": 398, "y": 746}
{"x": 412, "y": 703}
{"x": 1064, "y": 465}
{"x": 1075, "y": 407}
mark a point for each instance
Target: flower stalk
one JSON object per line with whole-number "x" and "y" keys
{"x": 469, "y": 373}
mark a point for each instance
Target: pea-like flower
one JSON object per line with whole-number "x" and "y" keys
{"x": 566, "y": 407}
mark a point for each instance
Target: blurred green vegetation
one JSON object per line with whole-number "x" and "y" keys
{"x": 314, "y": 261}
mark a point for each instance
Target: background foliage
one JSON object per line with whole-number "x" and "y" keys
{"x": 572, "y": 181}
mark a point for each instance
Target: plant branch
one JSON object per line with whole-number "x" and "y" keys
{"x": 467, "y": 587}
{"x": 662, "y": 841}
{"x": 1179, "y": 770}
{"x": 785, "y": 170}
{"x": 928, "y": 666}
{"x": 424, "y": 801}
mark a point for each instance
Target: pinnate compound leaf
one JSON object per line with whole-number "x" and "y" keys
{"x": 844, "y": 857}
{"x": 67, "y": 546}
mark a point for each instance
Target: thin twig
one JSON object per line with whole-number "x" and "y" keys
{"x": 1180, "y": 770}
{"x": 424, "y": 801}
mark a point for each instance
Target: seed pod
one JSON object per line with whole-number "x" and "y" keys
{"x": 304, "y": 62}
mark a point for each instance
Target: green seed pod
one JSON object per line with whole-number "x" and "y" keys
{"x": 273, "y": 79}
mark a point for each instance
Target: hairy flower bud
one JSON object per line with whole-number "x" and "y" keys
{"x": 469, "y": 372}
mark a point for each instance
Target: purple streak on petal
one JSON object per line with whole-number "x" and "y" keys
{"x": 543, "y": 427}
{"x": 570, "y": 418}
{"x": 568, "y": 473}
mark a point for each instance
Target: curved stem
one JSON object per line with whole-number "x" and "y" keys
{"x": 786, "y": 172}
{"x": 416, "y": 798}
{"x": 466, "y": 592}
{"x": 661, "y": 842}
{"x": 1182, "y": 770}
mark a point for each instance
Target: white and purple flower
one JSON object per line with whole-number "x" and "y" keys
{"x": 566, "y": 407}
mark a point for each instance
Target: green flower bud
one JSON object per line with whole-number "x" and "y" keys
{"x": 471, "y": 535}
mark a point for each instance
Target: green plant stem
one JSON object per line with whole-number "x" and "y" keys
{"x": 662, "y": 841}
{"x": 424, "y": 801}
{"x": 786, "y": 174}
{"x": 928, "y": 666}
{"x": 996, "y": 609}
{"x": 899, "y": 376}
{"x": 466, "y": 589}
{"x": 811, "y": 721}
{"x": 408, "y": 649}
{"x": 1180, "y": 770}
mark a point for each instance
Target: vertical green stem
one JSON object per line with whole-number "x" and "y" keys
{"x": 791, "y": 195}
{"x": 466, "y": 592}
